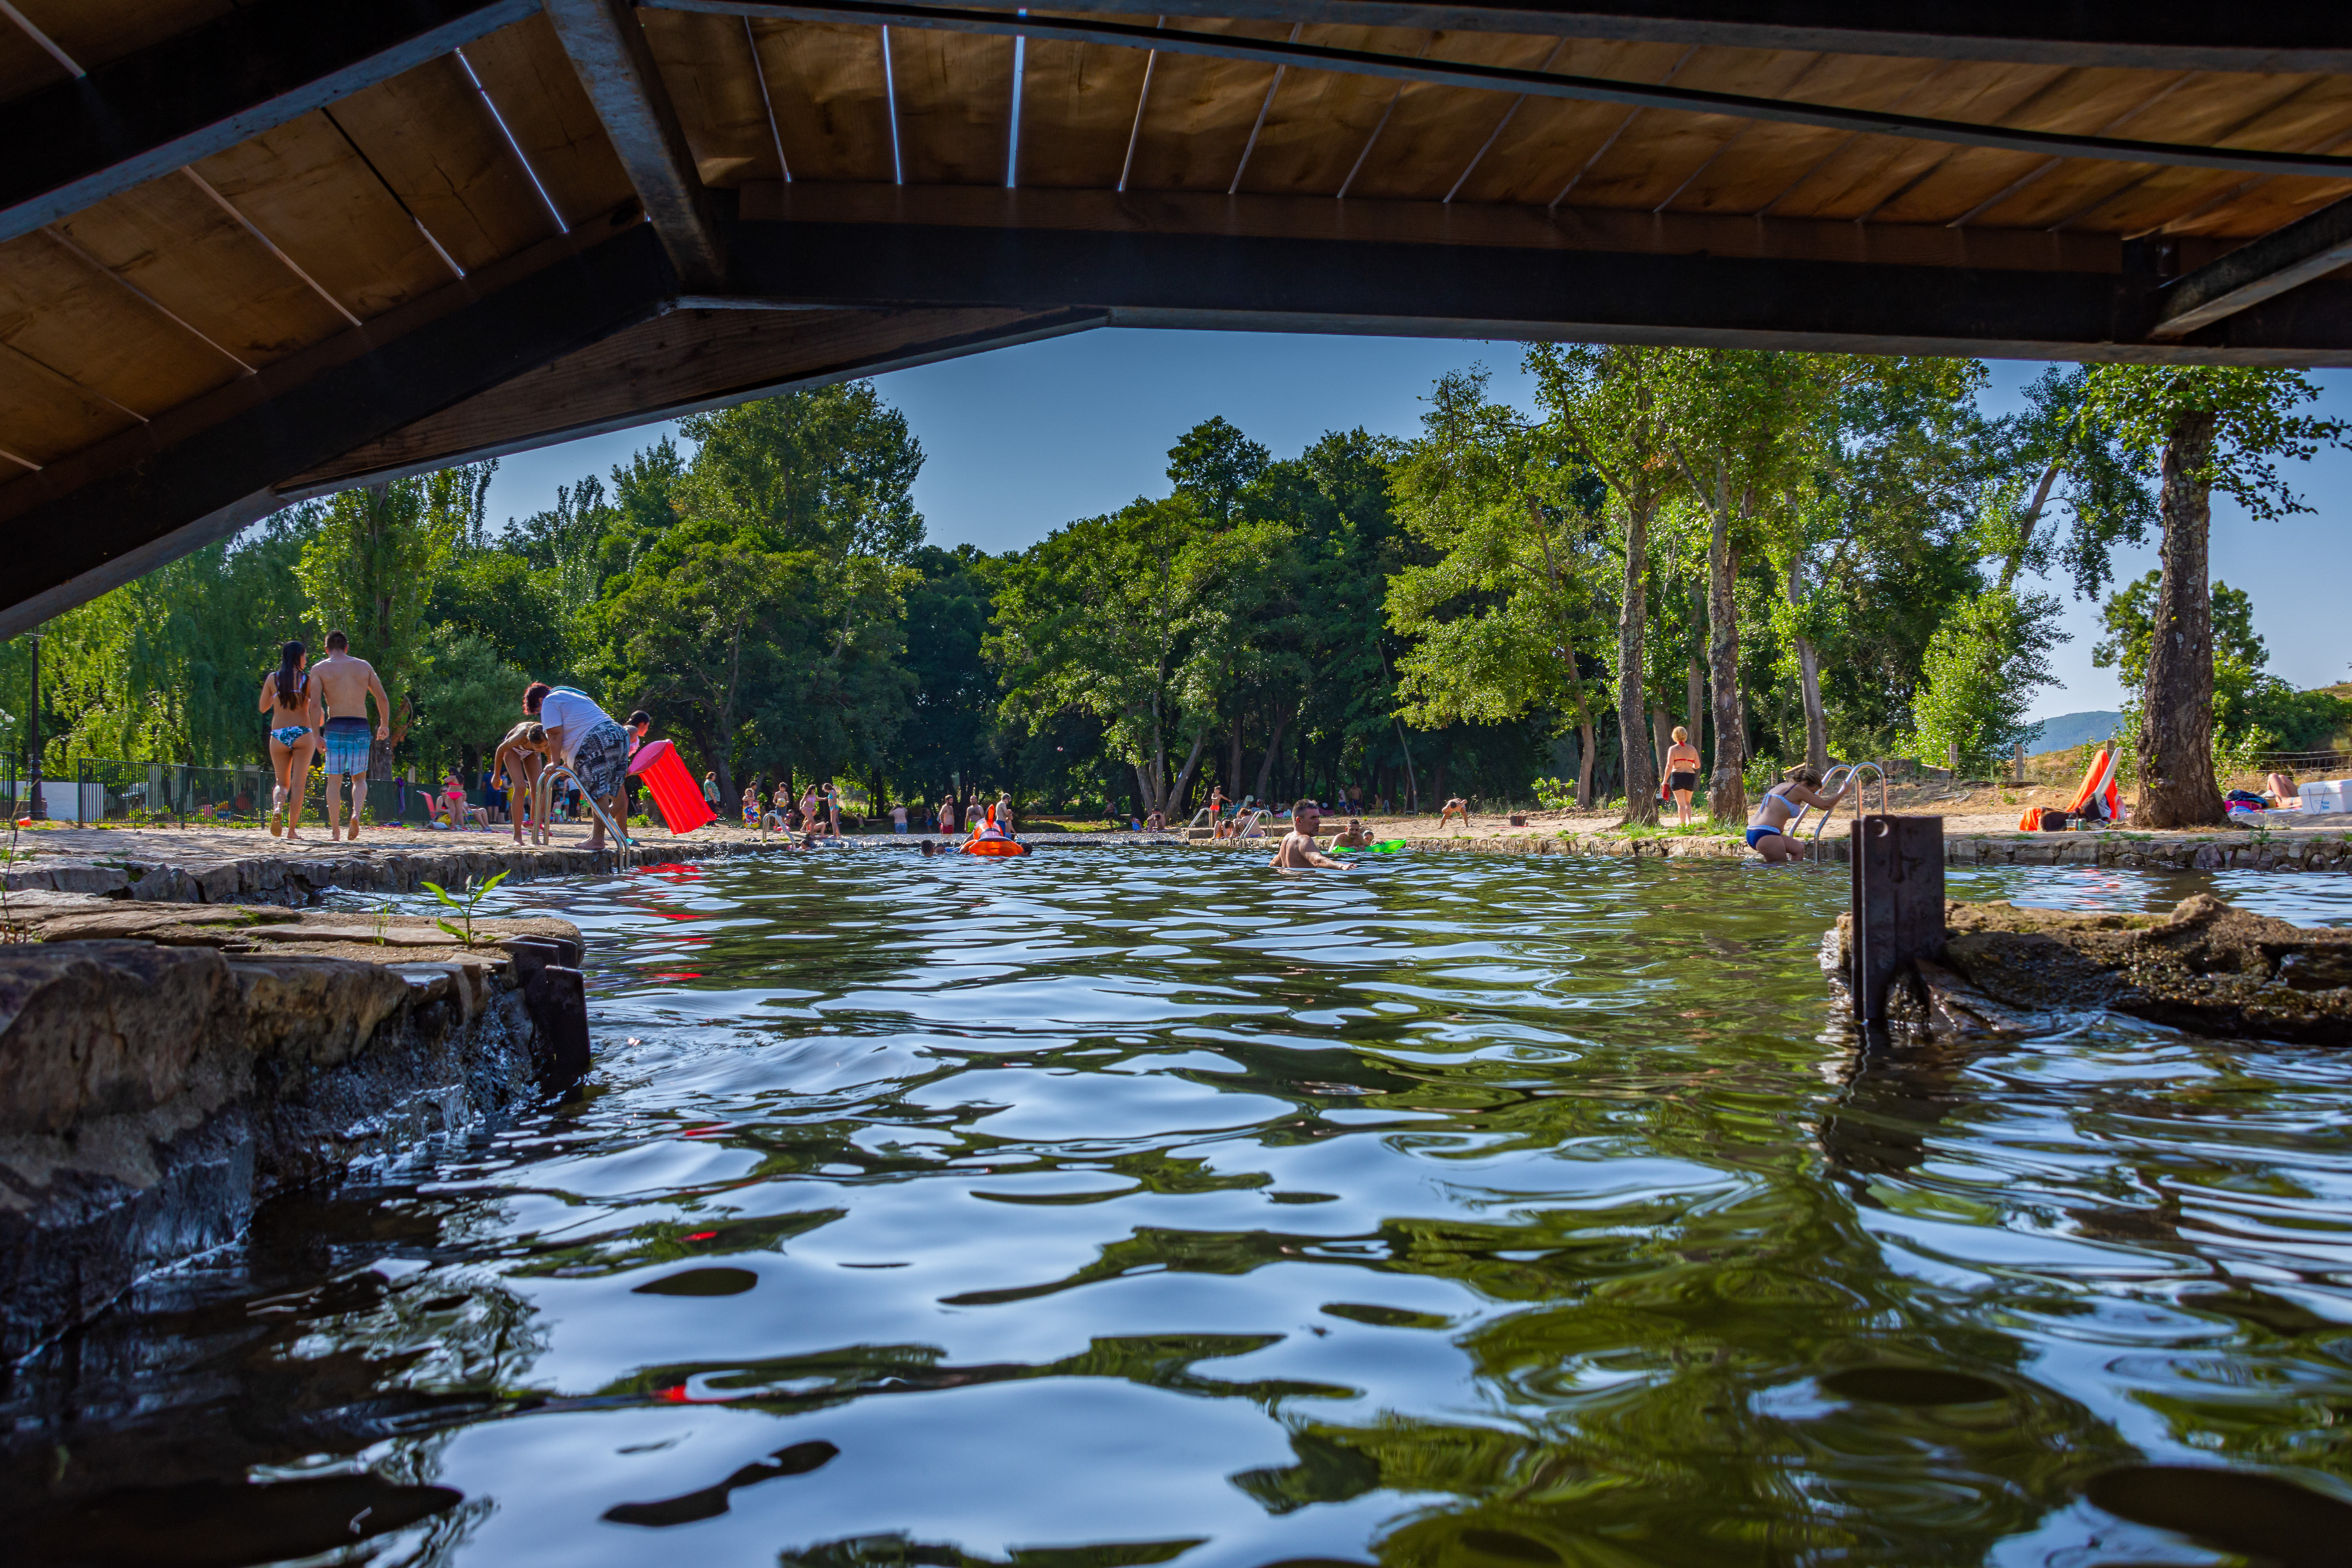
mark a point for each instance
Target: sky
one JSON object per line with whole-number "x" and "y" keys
{"x": 1018, "y": 441}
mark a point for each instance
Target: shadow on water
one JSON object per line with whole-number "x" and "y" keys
{"x": 1121, "y": 1207}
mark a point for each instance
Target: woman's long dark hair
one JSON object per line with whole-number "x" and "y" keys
{"x": 289, "y": 658}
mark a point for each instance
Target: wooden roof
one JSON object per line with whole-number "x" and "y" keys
{"x": 255, "y": 252}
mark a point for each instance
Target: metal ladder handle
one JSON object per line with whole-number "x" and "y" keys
{"x": 1844, "y": 771}
{"x": 541, "y": 802}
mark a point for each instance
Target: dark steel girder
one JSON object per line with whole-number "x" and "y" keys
{"x": 616, "y": 66}
{"x": 2128, "y": 34}
{"x": 2306, "y": 249}
{"x": 1255, "y": 282}
{"x": 79, "y": 142}
{"x": 107, "y": 514}
{"x": 1532, "y": 83}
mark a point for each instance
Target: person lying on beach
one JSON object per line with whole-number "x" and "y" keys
{"x": 1800, "y": 786}
{"x": 2283, "y": 790}
{"x": 1298, "y": 851}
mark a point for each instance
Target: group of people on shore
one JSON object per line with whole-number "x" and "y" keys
{"x": 322, "y": 709}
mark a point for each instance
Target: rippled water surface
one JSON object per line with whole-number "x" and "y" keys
{"x": 1129, "y": 1207}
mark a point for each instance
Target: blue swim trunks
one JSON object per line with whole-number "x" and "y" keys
{"x": 347, "y": 745}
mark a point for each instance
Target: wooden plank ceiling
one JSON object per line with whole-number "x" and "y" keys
{"x": 129, "y": 325}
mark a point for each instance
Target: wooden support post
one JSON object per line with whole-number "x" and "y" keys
{"x": 555, "y": 994}
{"x": 1898, "y": 903}
{"x": 2020, "y": 761}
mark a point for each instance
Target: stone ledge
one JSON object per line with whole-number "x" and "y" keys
{"x": 164, "y": 1070}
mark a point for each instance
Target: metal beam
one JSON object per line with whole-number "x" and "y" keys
{"x": 608, "y": 50}
{"x": 2128, "y": 34}
{"x": 79, "y": 142}
{"x": 2308, "y": 248}
{"x": 1534, "y": 84}
{"x": 96, "y": 519}
{"x": 1254, "y": 277}
{"x": 690, "y": 361}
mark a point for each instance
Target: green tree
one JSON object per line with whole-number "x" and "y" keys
{"x": 2206, "y": 428}
{"x": 1608, "y": 406}
{"x": 1499, "y": 618}
{"x": 1983, "y": 667}
{"x": 1216, "y": 465}
{"x": 370, "y": 568}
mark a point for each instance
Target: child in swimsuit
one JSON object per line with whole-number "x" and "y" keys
{"x": 1781, "y": 806}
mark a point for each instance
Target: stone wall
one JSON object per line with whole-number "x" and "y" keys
{"x": 159, "y": 1078}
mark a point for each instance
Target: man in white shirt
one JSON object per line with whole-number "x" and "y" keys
{"x": 592, "y": 745}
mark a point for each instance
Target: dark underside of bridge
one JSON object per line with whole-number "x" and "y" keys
{"x": 251, "y": 253}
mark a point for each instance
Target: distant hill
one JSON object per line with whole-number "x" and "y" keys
{"x": 2071, "y": 729}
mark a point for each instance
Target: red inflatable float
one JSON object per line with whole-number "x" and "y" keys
{"x": 683, "y": 809}
{"x": 989, "y": 839}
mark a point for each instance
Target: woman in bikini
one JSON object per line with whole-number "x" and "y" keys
{"x": 294, "y": 719}
{"x": 520, "y": 758}
{"x": 1779, "y": 810}
{"x": 1682, "y": 773}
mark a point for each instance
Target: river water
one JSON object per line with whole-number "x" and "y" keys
{"x": 1131, "y": 1206}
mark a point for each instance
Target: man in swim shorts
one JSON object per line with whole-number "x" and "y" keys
{"x": 1298, "y": 852}
{"x": 1778, "y": 811}
{"x": 344, "y": 684}
{"x": 1457, "y": 806}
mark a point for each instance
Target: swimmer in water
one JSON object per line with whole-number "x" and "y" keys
{"x": 1777, "y": 812}
{"x": 1356, "y": 837}
{"x": 1298, "y": 852}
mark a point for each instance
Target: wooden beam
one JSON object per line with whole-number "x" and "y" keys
{"x": 688, "y": 361}
{"x": 615, "y": 64}
{"x": 1532, "y": 83}
{"x": 2083, "y": 34}
{"x": 1282, "y": 264}
{"x": 79, "y": 142}
{"x": 2306, "y": 249}
{"x": 92, "y": 520}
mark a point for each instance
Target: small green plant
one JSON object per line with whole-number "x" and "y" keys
{"x": 465, "y": 904}
{"x": 1553, "y": 794}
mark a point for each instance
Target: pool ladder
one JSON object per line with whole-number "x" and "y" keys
{"x": 624, "y": 848}
{"x": 1836, "y": 777}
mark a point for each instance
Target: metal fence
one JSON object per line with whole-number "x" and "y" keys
{"x": 101, "y": 789}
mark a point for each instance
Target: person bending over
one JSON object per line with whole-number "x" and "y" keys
{"x": 594, "y": 747}
{"x": 1457, "y": 806}
{"x": 1297, "y": 851}
{"x": 1778, "y": 811}
{"x": 520, "y": 758}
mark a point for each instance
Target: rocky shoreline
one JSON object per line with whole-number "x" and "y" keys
{"x": 164, "y": 1069}
{"x": 2207, "y": 967}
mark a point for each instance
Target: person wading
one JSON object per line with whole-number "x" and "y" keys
{"x": 591, "y": 743}
{"x": 293, "y": 707}
{"x": 344, "y": 685}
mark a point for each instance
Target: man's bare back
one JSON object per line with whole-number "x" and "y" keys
{"x": 343, "y": 681}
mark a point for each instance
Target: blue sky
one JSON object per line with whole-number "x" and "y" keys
{"x": 1022, "y": 441}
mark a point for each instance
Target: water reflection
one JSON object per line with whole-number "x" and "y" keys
{"x": 1112, "y": 1207}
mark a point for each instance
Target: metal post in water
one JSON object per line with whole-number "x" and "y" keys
{"x": 1897, "y": 904}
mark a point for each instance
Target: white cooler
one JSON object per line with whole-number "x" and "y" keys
{"x": 2325, "y": 794}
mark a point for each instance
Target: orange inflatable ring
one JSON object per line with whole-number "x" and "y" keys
{"x": 994, "y": 846}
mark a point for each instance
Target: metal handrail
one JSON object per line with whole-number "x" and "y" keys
{"x": 1831, "y": 781}
{"x": 541, "y": 802}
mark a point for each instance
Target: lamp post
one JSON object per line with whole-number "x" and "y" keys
{"x": 33, "y": 807}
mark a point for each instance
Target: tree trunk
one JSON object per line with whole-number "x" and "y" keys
{"x": 1184, "y": 780}
{"x": 1808, "y": 673}
{"x": 2176, "y": 789}
{"x": 1272, "y": 750}
{"x": 1662, "y": 736}
{"x": 1641, "y": 778}
{"x": 1233, "y": 764}
{"x": 1726, "y": 796}
{"x": 1584, "y": 751}
{"x": 1694, "y": 702}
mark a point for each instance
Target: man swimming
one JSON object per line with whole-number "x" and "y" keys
{"x": 1298, "y": 852}
{"x": 1777, "y": 812}
{"x": 1356, "y": 837}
